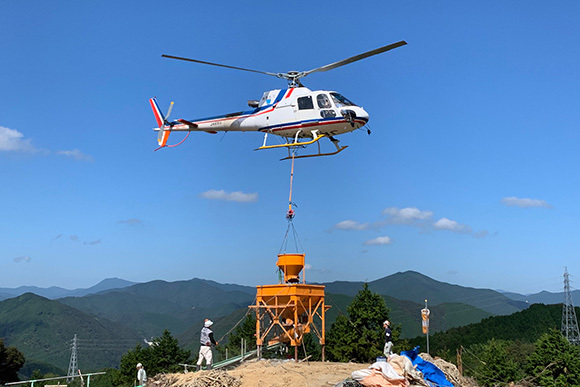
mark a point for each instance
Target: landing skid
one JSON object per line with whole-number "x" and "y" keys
{"x": 296, "y": 143}
{"x": 340, "y": 149}
{"x": 290, "y": 144}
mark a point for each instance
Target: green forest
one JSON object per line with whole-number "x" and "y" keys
{"x": 525, "y": 346}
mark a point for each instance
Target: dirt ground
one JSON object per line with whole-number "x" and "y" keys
{"x": 289, "y": 373}
{"x": 284, "y": 373}
{"x": 271, "y": 373}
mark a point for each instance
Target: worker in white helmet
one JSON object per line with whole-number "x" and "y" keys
{"x": 206, "y": 339}
{"x": 141, "y": 375}
{"x": 388, "y": 350}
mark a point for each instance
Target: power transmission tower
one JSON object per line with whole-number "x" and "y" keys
{"x": 73, "y": 365}
{"x": 569, "y": 321}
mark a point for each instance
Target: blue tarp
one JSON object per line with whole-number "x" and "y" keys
{"x": 430, "y": 372}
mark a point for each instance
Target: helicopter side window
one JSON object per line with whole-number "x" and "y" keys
{"x": 340, "y": 100}
{"x": 305, "y": 103}
{"x": 323, "y": 101}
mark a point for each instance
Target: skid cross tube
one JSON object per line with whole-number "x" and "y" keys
{"x": 292, "y": 144}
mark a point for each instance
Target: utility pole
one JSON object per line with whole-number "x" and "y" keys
{"x": 73, "y": 365}
{"x": 569, "y": 322}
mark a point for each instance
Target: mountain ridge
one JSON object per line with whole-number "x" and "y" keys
{"x": 43, "y": 330}
{"x": 54, "y": 292}
{"x": 144, "y": 310}
{"x": 414, "y": 286}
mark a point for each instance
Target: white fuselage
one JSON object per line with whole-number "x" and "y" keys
{"x": 294, "y": 112}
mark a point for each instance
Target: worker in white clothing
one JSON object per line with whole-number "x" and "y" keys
{"x": 141, "y": 375}
{"x": 206, "y": 340}
{"x": 388, "y": 350}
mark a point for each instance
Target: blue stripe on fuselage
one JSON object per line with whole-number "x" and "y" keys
{"x": 244, "y": 113}
{"x": 272, "y": 127}
{"x": 280, "y": 96}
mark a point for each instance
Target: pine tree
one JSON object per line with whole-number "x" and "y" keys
{"x": 360, "y": 336}
{"x": 11, "y": 360}
{"x": 555, "y": 362}
{"x": 498, "y": 366}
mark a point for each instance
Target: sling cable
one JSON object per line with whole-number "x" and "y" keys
{"x": 290, "y": 214}
{"x": 285, "y": 312}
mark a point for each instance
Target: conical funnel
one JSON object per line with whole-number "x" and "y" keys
{"x": 291, "y": 265}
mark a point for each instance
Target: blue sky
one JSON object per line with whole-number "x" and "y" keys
{"x": 469, "y": 176}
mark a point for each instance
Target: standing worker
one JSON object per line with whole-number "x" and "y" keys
{"x": 141, "y": 375}
{"x": 206, "y": 339}
{"x": 388, "y": 339}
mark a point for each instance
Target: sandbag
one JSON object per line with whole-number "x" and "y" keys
{"x": 372, "y": 377}
{"x": 403, "y": 366}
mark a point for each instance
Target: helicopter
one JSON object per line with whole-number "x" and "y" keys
{"x": 299, "y": 115}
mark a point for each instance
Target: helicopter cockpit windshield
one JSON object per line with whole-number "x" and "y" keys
{"x": 340, "y": 100}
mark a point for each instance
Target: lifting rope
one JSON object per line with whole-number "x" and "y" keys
{"x": 173, "y": 146}
{"x": 290, "y": 214}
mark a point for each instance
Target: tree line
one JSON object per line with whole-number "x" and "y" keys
{"x": 526, "y": 347}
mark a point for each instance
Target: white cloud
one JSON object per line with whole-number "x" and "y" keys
{"x": 384, "y": 240}
{"x": 23, "y": 258}
{"x": 350, "y": 225}
{"x": 236, "y": 196}
{"x": 75, "y": 154}
{"x": 512, "y": 201}
{"x": 407, "y": 215}
{"x": 451, "y": 225}
{"x": 13, "y": 140}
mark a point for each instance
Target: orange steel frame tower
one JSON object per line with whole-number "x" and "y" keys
{"x": 287, "y": 311}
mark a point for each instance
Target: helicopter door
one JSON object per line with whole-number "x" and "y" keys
{"x": 305, "y": 113}
{"x": 325, "y": 106}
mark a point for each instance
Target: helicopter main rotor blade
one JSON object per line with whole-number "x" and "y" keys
{"x": 219, "y": 65}
{"x": 356, "y": 57}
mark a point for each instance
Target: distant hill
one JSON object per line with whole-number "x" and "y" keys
{"x": 151, "y": 307}
{"x": 525, "y": 326}
{"x": 55, "y": 292}
{"x": 115, "y": 315}
{"x": 416, "y": 287}
{"x": 408, "y": 314}
{"x": 43, "y": 330}
{"x": 544, "y": 297}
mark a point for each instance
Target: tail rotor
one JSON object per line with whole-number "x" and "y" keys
{"x": 162, "y": 122}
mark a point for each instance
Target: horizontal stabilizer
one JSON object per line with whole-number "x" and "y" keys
{"x": 188, "y": 123}
{"x": 194, "y": 125}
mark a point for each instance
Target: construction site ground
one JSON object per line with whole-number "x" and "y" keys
{"x": 273, "y": 373}
{"x": 281, "y": 373}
